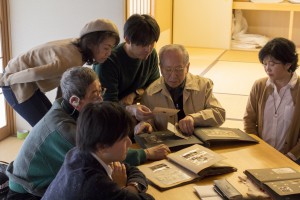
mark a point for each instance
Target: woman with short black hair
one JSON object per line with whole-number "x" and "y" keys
{"x": 273, "y": 107}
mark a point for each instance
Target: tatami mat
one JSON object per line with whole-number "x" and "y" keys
{"x": 234, "y": 105}
{"x": 240, "y": 56}
{"x": 234, "y": 77}
{"x": 233, "y": 73}
{"x": 9, "y": 148}
{"x": 201, "y": 59}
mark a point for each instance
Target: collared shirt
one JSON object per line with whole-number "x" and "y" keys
{"x": 107, "y": 168}
{"x": 177, "y": 97}
{"x": 278, "y": 114}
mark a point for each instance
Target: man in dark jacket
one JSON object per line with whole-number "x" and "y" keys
{"x": 93, "y": 169}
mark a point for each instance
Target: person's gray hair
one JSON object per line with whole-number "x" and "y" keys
{"x": 173, "y": 47}
{"x": 76, "y": 80}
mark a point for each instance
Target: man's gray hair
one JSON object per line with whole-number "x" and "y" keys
{"x": 173, "y": 47}
{"x": 76, "y": 80}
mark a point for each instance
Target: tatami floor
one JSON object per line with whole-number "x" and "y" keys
{"x": 233, "y": 74}
{"x": 9, "y": 148}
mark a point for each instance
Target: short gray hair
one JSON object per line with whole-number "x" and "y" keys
{"x": 76, "y": 80}
{"x": 173, "y": 47}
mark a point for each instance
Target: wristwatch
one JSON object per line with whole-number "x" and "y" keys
{"x": 136, "y": 185}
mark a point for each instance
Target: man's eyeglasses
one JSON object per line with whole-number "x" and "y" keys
{"x": 177, "y": 70}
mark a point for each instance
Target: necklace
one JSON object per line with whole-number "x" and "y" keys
{"x": 276, "y": 108}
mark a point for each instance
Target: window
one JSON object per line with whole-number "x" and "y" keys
{"x": 6, "y": 113}
{"x": 139, "y": 7}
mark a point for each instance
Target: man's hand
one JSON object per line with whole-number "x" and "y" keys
{"x": 119, "y": 175}
{"x": 186, "y": 125}
{"x": 157, "y": 152}
{"x": 143, "y": 127}
{"x": 141, "y": 112}
{"x": 128, "y": 100}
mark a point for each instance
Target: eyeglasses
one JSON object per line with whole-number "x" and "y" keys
{"x": 270, "y": 63}
{"x": 177, "y": 70}
{"x": 102, "y": 92}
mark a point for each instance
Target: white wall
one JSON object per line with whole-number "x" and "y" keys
{"x": 34, "y": 22}
{"x": 211, "y": 27}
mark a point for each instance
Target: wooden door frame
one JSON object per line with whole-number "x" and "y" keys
{"x": 5, "y": 36}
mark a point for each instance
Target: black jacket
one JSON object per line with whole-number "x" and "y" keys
{"x": 83, "y": 177}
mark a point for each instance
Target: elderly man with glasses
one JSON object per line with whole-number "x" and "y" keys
{"x": 191, "y": 94}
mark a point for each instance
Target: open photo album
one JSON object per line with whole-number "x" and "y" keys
{"x": 207, "y": 136}
{"x": 185, "y": 166}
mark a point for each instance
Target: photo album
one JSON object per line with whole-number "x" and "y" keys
{"x": 279, "y": 183}
{"x": 207, "y": 136}
{"x": 185, "y": 166}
